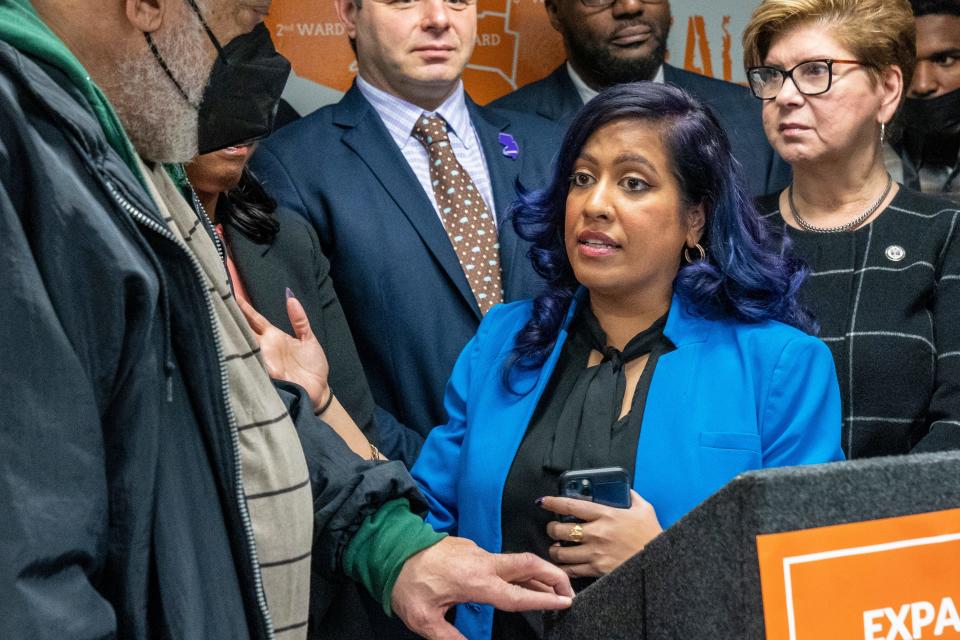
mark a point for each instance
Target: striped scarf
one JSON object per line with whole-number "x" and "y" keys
{"x": 275, "y": 477}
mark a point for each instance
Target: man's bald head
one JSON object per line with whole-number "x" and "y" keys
{"x": 110, "y": 38}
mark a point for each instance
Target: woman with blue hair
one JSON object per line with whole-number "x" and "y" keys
{"x": 669, "y": 342}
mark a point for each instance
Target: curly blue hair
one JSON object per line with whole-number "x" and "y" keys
{"x": 749, "y": 275}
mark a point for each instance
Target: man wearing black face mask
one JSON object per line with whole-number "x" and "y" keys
{"x": 153, "y": 484}
{"x": 929, "y": 148}
{"x": 240, "y": 100}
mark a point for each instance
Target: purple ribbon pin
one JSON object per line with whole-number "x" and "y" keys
{"x": 510, "y": 147}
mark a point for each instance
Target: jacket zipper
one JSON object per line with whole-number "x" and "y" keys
{"x": 201, "y": 213}
{"x": 145, "y": 221}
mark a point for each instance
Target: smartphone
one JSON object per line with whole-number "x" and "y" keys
{"x": 609, "y": 486}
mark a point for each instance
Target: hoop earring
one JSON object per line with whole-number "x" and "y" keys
{"x": 883, "y": 133}
{"x": 698, "y": 247}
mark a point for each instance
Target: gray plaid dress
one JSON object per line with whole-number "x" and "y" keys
{"x": 887, "y": 297}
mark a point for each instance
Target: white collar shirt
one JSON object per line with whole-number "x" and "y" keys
{"x": 587, "y": 93}
{"x": 400, "y": 116}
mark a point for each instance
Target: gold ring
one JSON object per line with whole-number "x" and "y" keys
{"x": 576, "y": 533}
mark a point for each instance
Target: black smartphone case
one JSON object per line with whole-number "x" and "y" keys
{"x": 608, "y": 486}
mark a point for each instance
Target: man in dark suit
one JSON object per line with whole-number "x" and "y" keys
{"x": 613, "y": 41}
{"x": 416, "y": 256}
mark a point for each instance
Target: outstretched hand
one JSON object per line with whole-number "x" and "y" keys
{"x": 610, "y": 536}
{"x": 456, "y": 570}
{"x": 299, "y": 359}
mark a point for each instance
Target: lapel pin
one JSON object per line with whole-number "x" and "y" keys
{"x": 895, "y": 253}
{"x": 510, "y": 147}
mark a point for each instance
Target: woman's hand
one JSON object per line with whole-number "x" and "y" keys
{"x": 610, "y": 535}
{"x": 300, "y": 360}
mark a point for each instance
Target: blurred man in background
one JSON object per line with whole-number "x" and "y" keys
{"x": 929, "y": 149}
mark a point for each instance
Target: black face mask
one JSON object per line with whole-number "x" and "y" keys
{"x": 240, "y": 102}
{"x": 931, "y": 129}
{"x": 940, "y": 115}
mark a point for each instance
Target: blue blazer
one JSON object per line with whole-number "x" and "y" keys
{"x": 556, "y": 98}
{"x": 396, "y": 274}
{"x": 730, "y": 398}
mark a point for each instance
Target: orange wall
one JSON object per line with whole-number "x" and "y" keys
{"x": 515, "y": 43}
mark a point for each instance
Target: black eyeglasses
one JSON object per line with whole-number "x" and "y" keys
{"x": 609, "y": 3}
{"x": 811, "y": 78}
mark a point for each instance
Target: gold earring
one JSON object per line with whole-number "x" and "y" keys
{"x": 698, "y": 247}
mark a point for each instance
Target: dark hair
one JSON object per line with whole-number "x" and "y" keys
{"x": 935, "y": 7}
{"x": 749, "y": 273}
{"x": 248, "y": 209}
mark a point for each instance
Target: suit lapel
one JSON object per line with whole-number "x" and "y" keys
{"x": 670, "y": 74}
{"x": 242, "y": 247}
{"x": 263, "y": 279}
{"x": 671, "y": 386}
{"x": 367, "y": 136}
{"x": 502, "y": 443}
{"x": 565, "y": 100}
{"x": 504, "y": 172}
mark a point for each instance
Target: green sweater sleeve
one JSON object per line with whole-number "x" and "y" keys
{"x": 384, "y": 542}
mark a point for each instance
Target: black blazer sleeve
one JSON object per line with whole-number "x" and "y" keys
{"x": 346, "y": 488}
{"x": 295, "y": 260}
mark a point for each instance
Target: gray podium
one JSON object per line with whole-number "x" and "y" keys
{"x": 700, "y": 578}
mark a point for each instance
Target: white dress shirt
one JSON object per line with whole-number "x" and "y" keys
{"x": 587, "y": 93}
{"x": 399, "y": 117}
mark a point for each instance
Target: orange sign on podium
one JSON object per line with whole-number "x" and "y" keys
{"x": 890, "y": 579}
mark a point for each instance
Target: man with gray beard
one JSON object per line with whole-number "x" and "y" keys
{"x": 153, "y": 482}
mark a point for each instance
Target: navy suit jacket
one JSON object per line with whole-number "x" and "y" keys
{"x": 556, "y": 98}
{"x": 396, "y": 274}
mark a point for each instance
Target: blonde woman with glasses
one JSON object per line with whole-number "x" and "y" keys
{"x": 885, "y": 287}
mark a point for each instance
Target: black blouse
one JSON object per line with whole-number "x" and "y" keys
{"x": 554, "y": 443}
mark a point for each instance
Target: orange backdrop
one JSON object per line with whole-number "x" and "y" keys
{"x": 515, "y": 44}
{"x": 894, "y": 578}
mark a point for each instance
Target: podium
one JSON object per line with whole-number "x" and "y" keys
{"x": 701, "y": 577}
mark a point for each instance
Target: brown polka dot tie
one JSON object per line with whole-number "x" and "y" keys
{"x": 468, "y": 221}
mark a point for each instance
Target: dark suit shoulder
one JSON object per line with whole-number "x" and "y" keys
{"x": 294, "y": 248}
{"x": 527, "y": 124}
{"x": 527, "y": 96}
{"x": 291, "y": 222}
{"x": 553, "y": 97}
{"x": 307, "y": 157}
{"x": 301, "y": 238}
{"x": 295, "y": 231}
{"x": 697, "y": 83}
{"x": 532, "y": 132}
{"x": 294, "y": 133}
{"x": 730, "y": 102}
